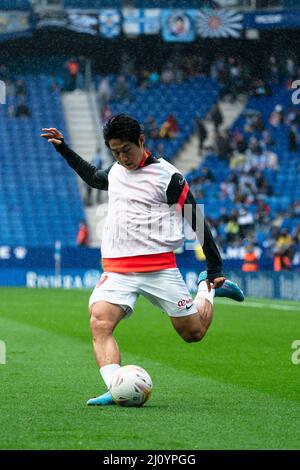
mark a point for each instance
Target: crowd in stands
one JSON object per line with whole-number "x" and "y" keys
{"x": 250, "y": 150}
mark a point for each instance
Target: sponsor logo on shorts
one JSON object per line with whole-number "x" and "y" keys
{"x": 187, "y": 303}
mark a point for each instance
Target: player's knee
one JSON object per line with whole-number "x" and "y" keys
{"x": 99, "y": 324}
{"x": 193, "y": 336}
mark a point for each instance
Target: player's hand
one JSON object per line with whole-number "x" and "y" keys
{"x": 217, "y": 282}
{"x": 52, "y": 135}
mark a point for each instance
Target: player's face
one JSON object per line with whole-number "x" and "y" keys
{"x": 127, "y": 153}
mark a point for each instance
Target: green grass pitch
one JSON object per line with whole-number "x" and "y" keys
{"x": 237, "y": 389}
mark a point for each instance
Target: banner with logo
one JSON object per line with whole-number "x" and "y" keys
{"x": 15, "y": 23}
{"x": 141, "y": 21}
{"x": 83, "y": 22}
{"x": 179, "y": 25}
{"x": 272, "y": 20}
{"x": 48, "y": 19}
{"x": 219, "y": 23}
{"x": 109, "y": 23}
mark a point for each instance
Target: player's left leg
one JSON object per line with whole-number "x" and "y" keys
{"x": 167, "y": 289}
{"x": 229, "y": 289}
{"x": 192, "y": 328}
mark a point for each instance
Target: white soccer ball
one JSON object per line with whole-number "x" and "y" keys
{"x": 131, "y": 386}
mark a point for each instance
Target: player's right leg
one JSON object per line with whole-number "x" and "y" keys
{"x": 104, "y": 318}
{"x": 113, "y": 299}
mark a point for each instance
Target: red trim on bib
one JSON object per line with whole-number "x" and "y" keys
{"x": 142, "y": 263}
{"x": 183, "y": 195}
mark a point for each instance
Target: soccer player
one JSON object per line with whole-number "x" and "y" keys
{"x": 147, "y": 197}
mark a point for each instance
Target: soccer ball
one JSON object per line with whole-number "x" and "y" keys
{"x": 131, "y": 386}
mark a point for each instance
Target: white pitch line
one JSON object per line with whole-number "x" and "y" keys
{"x": 261, "y": 305}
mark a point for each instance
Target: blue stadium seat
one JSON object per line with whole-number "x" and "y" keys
{"x": 39, "y": 188}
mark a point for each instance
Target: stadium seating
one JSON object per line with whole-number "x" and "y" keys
{"x": 40, "y": 200}
{"x": 39, "y": 196}
{"x": 185, "y": 102}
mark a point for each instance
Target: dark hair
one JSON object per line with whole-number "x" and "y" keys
{"x": 122, "y": 127}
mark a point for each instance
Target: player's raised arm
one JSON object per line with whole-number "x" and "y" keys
{"x": 178, "y": 192}
{"x": 88, "y": 172}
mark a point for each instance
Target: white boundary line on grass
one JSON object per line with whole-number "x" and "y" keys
{"x": 261, "y": 305}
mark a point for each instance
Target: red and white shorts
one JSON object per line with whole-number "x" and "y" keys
{"x": 166, "y": 289}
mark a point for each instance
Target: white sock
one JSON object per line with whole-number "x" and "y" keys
{"x": 107, "y": 373}
{"x": 204, "y": 294}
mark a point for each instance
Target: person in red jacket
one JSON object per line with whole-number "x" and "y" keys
{"x": 83, "y": 234}
{"x": 250, "y": 263}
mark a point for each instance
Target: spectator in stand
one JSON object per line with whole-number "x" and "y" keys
{"x": 151, "y": 129}
{"x": 294, "y": 210}
{"x": 269, "y": 242}
{"x": 103, "y": 93}
{"x": 272, "y": 160}
{"x": 121, "y": 90}
{"x": 296, "y": 235}
{"x": 283, "y": 252}
{"x": 284, "y": 240}
{"x": 20, "y": 87}
{"x": 81, "y": 72}
{"x": 142, "y": 77}
{"x": 290, "y": 68}
{"x": 55, "y": 83}
{"x": 10, "y": 88}
{"x": 228, "y": 187}
{"x": 262, "y": 213}
{"x": 154, "y": 79}
{"x": 207, "y": 176}
{"x": 260, "y": 88}
{"x": 83, "y": 234}
{"x": 267, "y": 141}
{"x": 293, "y": 138}
{"x": 250, "y": 262}
{"x": 223, "y": 145}
{"x": 216, "y": 117}
{"x": 72, "y": 66}
{"x": 169, "y": 129}
{"x": 253, "y": 122}
{"x": 106, "y": 113}
{"x": 293, "y": 116}
{"x": 160, "y": 150}
{"x": 202, "y": 133}
{"x": 277, "y": 116}
{"x": 167, "y": 75}
{"x": 273, "y": 69}
{"x": 232, "y": 229}
{"x": 238, "y": 141}
{"x": 4, "y": 73}
{"x": 11, "y": 111}
{"x": 22, "y": 109}
{"x": 237, "y": 161}
{"x": 282, "y": 260}
{"x": 246, "y": 222}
